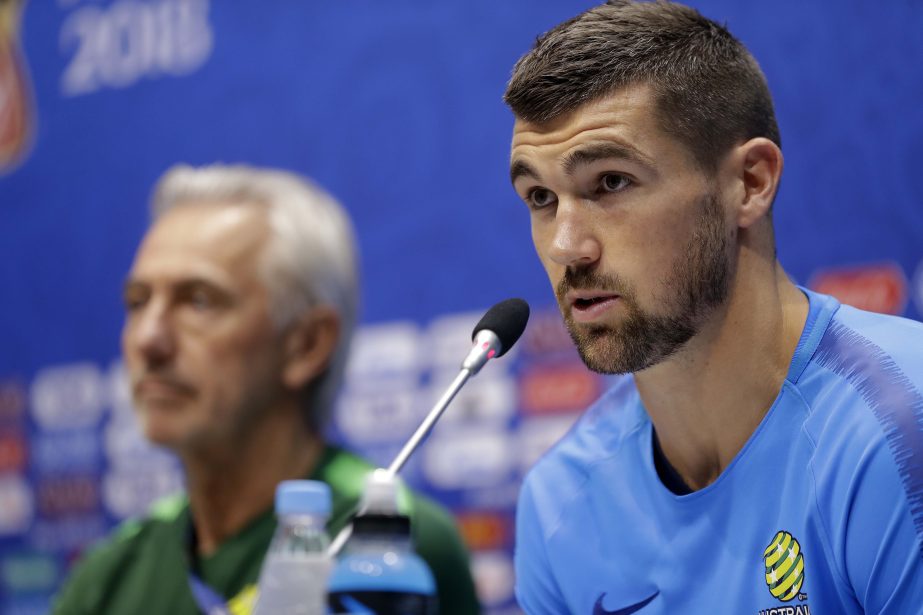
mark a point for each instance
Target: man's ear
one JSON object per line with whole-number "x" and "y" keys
{"x": 309, "y": 346}
{"x": 756, "y": 168}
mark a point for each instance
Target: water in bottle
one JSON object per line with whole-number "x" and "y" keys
{"x": 293, "y": 579}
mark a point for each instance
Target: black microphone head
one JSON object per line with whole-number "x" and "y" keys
{"x": 507, "y": 320}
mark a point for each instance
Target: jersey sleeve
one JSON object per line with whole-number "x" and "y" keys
{"x": 536, "y": 589}
{"x": 882, "y": 544}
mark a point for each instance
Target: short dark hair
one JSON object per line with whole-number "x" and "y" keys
{"x": 709, "y": 91}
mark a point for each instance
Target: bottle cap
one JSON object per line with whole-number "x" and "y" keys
{"x": 380, "y": 495}
{"x": 302, "y": 497}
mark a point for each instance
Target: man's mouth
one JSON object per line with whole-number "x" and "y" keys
{"x": 588, "y": 306}
{"x": 160, "y": 387}
{"x": 582, "y": 304}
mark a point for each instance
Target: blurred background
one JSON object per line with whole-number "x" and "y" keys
{"x": 395, "y": 107}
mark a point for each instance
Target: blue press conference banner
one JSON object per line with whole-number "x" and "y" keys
{"x": 396, "y": 109}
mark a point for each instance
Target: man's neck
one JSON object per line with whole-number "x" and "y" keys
{"x": 707, "y": 400}
{"x": 232, "y": 485}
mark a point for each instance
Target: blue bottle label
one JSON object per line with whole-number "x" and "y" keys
{"x": 382, "y": 603}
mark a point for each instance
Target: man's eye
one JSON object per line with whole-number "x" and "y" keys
{"x": 540, "y": 197}
{"x": 133, "y": 300}
{"x": 200, "y": 300}
{"x": 613, "y": 182}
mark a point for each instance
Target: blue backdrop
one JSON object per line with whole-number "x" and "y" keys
{"x": 396, "y": 109}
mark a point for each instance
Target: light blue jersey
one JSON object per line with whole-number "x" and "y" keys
{"x": 820, "y": 513}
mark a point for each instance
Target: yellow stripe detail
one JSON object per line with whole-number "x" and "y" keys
{"x": 787, "y": 562}
{"x": 777, "y": 555}
{"x": 782, "y": 589}
{"x": 772, "y": 544}
{"x": 794, "y": 590}
{"x": 244, "y": 601}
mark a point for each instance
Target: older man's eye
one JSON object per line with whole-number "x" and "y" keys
{"x": 613, "y": 182}
{"x": 201, "y": 299}
{"x": 540, "y": 197}
{"x": 134, "y": 298}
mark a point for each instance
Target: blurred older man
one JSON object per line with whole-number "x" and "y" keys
{"x": 240, "y": 307}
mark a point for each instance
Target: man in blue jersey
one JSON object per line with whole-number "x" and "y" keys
{"x": 764, "y": 452}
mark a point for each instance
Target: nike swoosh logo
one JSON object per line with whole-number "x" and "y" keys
{"x": 599, "y": 609}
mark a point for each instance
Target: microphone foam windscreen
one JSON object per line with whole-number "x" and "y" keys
{"x": 507, "y": 320}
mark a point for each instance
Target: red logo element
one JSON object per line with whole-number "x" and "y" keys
{"x": 546, "y": 334}
{"x": 877, "y": 288}
{"x": 12, "y": 453}
{"x": 559, "y": 389}
{"x": 484, "y": 531}
{"x": 12, "y": 400}
{"x": 14, "y": 99}
{"x": 65, "y": 496}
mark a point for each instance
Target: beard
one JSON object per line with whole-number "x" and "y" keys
{"x": 698, "y": 283}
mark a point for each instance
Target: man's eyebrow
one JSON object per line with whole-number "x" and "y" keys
{"x": 132, "y": 283}
{"x": 181, "y": 285}
{"x": 602, "y": 151}
{"x": 521, "y": 168}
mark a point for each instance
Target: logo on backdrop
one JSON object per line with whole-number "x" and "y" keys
{"x": 558, "y": 389}
{"x": 918, "y": 288}
{"x": 17, "y": 507}
{"x": 16, "y": 109}
{"x": 493, "y": 575}
{"x": 116, "y": 46}
{"x": 877, "y": 288}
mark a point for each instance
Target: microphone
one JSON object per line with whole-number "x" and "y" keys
{"x": 496, "y": 332}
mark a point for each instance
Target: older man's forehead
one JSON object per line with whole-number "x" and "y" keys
{"x": 211, "y": 243}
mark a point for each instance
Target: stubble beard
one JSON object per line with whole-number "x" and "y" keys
{"x": 698, "y": 283}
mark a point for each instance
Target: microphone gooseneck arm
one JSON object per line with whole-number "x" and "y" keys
{"x": 509, "y": 318}
{"x": 486, "y": 346}
{"x": 427, "y": 424}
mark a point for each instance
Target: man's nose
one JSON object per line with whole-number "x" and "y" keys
{"x": 574, "y": 241}
{"x": 149, "y": 332}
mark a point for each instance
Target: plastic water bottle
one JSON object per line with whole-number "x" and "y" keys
{"x": 293, "y": 579}
{"x": 378, "y": 571}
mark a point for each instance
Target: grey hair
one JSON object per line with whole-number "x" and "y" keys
{"x": 311, "y": 258}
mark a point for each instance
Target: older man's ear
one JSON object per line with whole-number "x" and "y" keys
{"x": 309, "y": 346}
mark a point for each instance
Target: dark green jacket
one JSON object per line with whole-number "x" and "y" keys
{"x": 143, "y": 567}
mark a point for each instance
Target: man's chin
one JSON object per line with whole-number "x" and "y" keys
{"x": 164, "y": 429}
{"x": 602, "y": 362}
{"x": 161, "y": 436}
{"x": 609, "y": 351}
{"x": 597, "y": 349}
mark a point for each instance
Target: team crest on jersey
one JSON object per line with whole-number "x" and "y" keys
{"x": 784, "y": 563}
